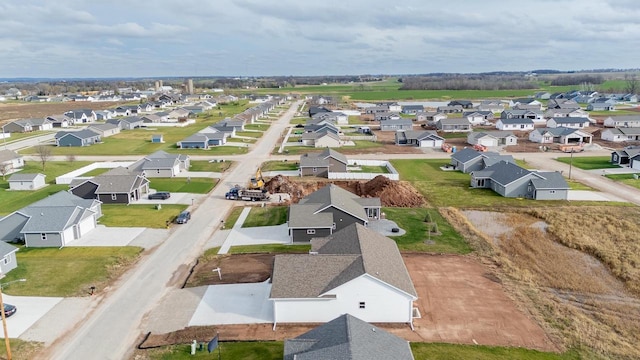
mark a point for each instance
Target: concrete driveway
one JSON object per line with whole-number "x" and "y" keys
{"x": 261, "y": 235}
{"x": 587, "y": 195}
{"x": 108, "y": 236}
{"x": 234, "y": 304}
{"x": 30, "y": 310}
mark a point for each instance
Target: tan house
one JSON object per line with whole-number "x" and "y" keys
{"x": 320, "y": 164}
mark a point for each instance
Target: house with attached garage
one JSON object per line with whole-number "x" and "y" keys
{"x": 83, "y": 137}
{"x": 424, "y": 138}
{"x": 105, "y": 130}
{"x": 387, "y": 115}
{"x": 453, "y": 125}
{"x": 321, "y": 164}
{"x": 571, "y": 112}
{"x": 8, "y": 260}
{"x": 116, "y": 186}
{"x": 468, "y": 160}
{"x": 622, "y": 121}
{"x": 347, "y": 338}
{"x": 478, "y": 117}
{"x": 200, "y": 140}
{"x": 569, "y": 122}
{"x": 634, "y": 162}
{"x": 450, "y": 109}
{"x": 320, "y": 127}
{"x": 10, "y": 161}
{"x": 236, "y": 124}
{"x": 161, "y": 164}
{"x": 600, "y": 106}
{"x": 60, "y": 121}
{"x": 412, "y": 109}
{"x": 394, "y": 125}
{"x": 465, "y": 104}
{"x": 494, "y": 106}
{"x": 229, "y": 131}
{"x": 321, "y": 138}
{"x": 127, "y": 123}
{"x": 27, "y": 125}
{"x": 329, "y": 209}
{"x": 620, "y": 134}
{"x": 334, "y": 117}
{"x": 54, "y": 221}
{"x": 518, "y": 124}
{"x": 492, "y": 138}
{"x": 510, "y": 180}
{"x": 82, "y": 115}
{"x": 103, "y": 115}
{"x": 560, "y": 135}
{"x": 623, "y": 157}
{"x": 431, "y": 116}
{"x": 151, "y": 119}
{"x": 20, "y": 181}
{"x": 354, "y": 271}
{"x": 534, "y": 115}
{"x": 562, "y": 104}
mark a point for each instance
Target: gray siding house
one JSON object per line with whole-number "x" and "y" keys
{"x": 510, "y": 180}
{"x": 329, "y": 209}
{"x": 468, "y": 160}
{"x": 394, "y": 125}
{"x": 320, "y": 164}
{"x": 117, "y": 186}
{"x": 161, "y": 164}
{"x": 8, "y": 260}
{"x": 453, "y": 125}
{"x": 84, "y": 137}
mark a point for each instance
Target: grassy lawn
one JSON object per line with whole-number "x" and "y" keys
{"x": 589, "y": 162}
{"x": 266, "y": 216}
{"x": 364, "y": 144}
{"x": 251, "y": 134}
{"x": 413, "y": 221}
{"x": 272, "y": 249}
{"x": 625, "y": 179}
{"x": 139, "y": 215}
{"x": 576, "y": 185}
{"x": 439, "y": 351}
{"x": 455, "y": 135}
{"x": 371, "y": 169}
{"x": 261, "y": 127}
{"x": 254, "y": 350}
{"x": 451, "y": 188}
{"x": 184, "y": 185}
{"x": 21, "y": 349}
{"x": 279, "y": 166}
{"x": 202, "y": 165}
{"x": 232, "y": 217}
{"x": 298, "y": 120}
{"x": 239, "y": 140}
{"x": 69, "y": 271}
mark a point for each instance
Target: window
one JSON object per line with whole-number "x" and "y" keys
{"x": 315, "y": 169}
{"x": 6, "y": 260}
{"x": 362, "y": 305}
{"x": 552, "y": 191}
{"x": 43, "y": 237}
{"x": 311, "y": 231}
{"x": 114, "y": 197}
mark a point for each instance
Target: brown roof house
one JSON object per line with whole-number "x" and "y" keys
{"x": 355, "y": 271}
{"x": 320, "y": 164}
{"x": 329, "y": 209}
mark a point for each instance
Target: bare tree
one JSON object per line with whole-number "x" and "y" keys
{"x": 44, "y": 153}
{"x": 631, "y": 84}
{"x": 4, "y": 170}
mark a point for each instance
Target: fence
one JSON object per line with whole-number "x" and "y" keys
{"x": 360, "y": 137}
{"x": 392, "y": 175}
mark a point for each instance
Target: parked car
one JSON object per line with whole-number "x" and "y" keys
{"x": 160, "y": 195}
{"x": 183, "y": 218}
{"x": 9, "y": 309}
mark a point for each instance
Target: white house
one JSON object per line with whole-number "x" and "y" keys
{"x": 10, "y": 161}
{"x": 569, "y": 122}
{"x": 622, "y": 121}
{"x": 354, "y": 271}
{"x": 518, "y": 124}
{"x": 21, "y": 181}
{"x": 560, "y": 135}
{"x": 620, "y": 134}
{"x": 492, "y": 138}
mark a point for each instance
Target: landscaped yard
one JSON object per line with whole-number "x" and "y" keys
{"x": 416, "y": 222}
{"x": 628, "y": 179}
{"x": 266, "y": 216}
{"x": 69, "y": 271}
{"x": 279, "y": 166}
{"x": 207, "y": 166}
{"x": 193, "y": 185}
{"x": 261, "y": 127}
{"x": 589, "y": 162}
{"x": 255, "y": 350}
{"x": 251, "y": 134}
{"x": 232, "y": 217}
{"x": 139, "y": 215}
{"x": 271, "y": 248}
{"x": 439, "y": 351}
{"x": 370, "y": 169}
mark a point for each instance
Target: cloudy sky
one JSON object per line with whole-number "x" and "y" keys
{"x": 143, "y": 38}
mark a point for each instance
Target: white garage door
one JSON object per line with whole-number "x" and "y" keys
{"x": 487, "y": 142}
{"x": 87, "y": 225}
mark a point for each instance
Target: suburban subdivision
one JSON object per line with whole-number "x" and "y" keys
{"x": 171, "y": 221}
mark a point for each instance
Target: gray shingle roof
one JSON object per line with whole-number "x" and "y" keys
{"x": 6, "y": 155}
{"x": 120, "y": 181}
{"x": 465, "y": 155}
{"x": 454, "y": 121}
{"x": 571, "y": 120}
{"x": 341, "y": 257}
{"x": 321, "y": 159}
{"x": 6, "y": 249}
{"x": 56, "y": 212}
{"x": 304, "y": 216}
{"x": 333, "y": 195}
{"x": 82, "y": 134}
{"x": 24, "y": 177}
{"x": 504, "y": 173}
{"x": 516, "y": 121}
{"x": 550, "y": 180}
{"x": 347, "y": 338}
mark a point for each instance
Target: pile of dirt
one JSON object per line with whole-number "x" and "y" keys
{"x": 391, "y": 193}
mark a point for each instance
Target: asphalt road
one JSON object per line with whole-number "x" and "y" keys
{"x": 111, "y": 329}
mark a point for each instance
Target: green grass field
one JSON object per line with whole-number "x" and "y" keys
{"x": 589, "y": 162}
{"x": 184, "y": 185}
{"x": 251, "y": 134}
{"x": 206, "y": 166}
{"x": 96, "y": 172}
{"x": 69, "y": 271}
{"x": 371, "y": 169}
{"x": 261, "y": 127}
{"x": 271, "y": 248}
{"x": 232, "y": 217}
{"x": 625, "y": 179}
{"x": 279, "y": 166}
{"x": 139, "y": 215}
{"x": 412, "y": 220}
{"x": 266, "y": 216}
{"x": 439, "y": 351}
{"x": 258, "y": 350}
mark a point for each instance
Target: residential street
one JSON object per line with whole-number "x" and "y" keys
{"x": 112, "y": 328}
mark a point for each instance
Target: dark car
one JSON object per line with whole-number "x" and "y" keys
{"x": 183, "y": 218}
{"x": 161, "y": 195}
{"x": 9, "y": 309}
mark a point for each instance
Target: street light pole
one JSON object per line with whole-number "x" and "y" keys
{"x": 570, "y": 164}
{"x": 4, "y": 319}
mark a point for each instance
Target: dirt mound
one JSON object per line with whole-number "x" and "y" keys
{"x": 391, "y": 192}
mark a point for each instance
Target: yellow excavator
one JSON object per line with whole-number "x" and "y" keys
{"x": 257, "y": 182}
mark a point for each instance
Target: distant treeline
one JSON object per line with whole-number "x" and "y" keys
{"x": 567, "y": 80}
{"x": 467, "y": 82}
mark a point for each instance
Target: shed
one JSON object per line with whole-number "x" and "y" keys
{"x": 27, "y": 181}
{"x": 158, "y": 138}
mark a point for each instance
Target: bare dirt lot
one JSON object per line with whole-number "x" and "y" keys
{"x": 36, "y": 110}
{"x": 236, "y": 269}
{"x": 461, "y": 301}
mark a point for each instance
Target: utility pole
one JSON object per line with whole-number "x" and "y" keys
{"x": 570, "y": 164}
